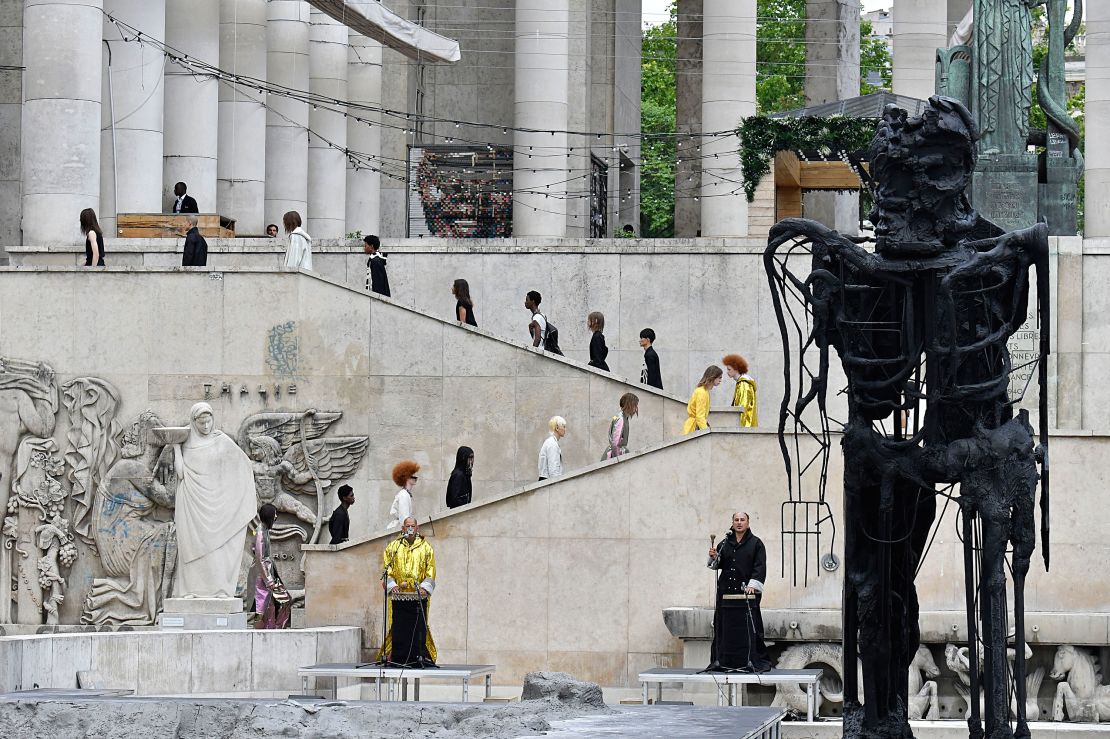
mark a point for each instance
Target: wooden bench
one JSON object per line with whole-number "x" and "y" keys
{"x": 172, "y": 225}
{"x": 660, "y": 675}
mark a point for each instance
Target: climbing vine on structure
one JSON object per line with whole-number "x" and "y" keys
{"x": 762, "y": 137}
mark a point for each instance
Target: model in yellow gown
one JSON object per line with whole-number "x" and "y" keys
{"x": 410, "y": 565}
{"x": 744, "y": 397}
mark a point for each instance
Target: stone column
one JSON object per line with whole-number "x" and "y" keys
{"x": 727, "y": 96}
{"x": 327, "y": 164}
{"x": 61, "y": 117}
{"x": 241, "y": 166}
{"x": 11, "y": 110}
{"x": 287, "y": 119}
{"x": 920, "y": 28}
{"x": 364, "y": 85}
{"x": 688, "y": 72}
{"x": 1097, "y": 210}
{"x": 541, "y": 102}
{"x": 192, "y": 103}
{"x": 832, "y": 73}
{"x": 131, "y": 116}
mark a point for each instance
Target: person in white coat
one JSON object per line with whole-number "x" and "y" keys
{"x": 298, "y": 255}
{"x": 551, "y": 456}
{"x": 404, "y": 476}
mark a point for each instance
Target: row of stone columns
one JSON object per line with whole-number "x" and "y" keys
{"x": 115, "y": 125}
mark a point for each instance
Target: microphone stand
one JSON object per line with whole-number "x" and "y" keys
{"x": 384, "y": 660}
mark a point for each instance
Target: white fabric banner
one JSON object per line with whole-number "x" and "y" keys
{"x": 374, "y": 20}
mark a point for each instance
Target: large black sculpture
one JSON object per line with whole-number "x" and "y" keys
{"x": 921, "y": 326}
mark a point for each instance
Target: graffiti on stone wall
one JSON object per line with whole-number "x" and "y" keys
{"x": 283, "y": 350}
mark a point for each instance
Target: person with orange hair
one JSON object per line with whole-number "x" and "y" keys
{"x": 404, "y": 476}
{"x": 744, "y": 395}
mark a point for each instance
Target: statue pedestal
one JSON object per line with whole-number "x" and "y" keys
{"x": 1004, "y": 190}
{"x": 202, "y": 614}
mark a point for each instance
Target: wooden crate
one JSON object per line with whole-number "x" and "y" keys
{"x": 171, "y": 225}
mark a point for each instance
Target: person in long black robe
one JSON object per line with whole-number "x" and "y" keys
{"x": 741, "y": 562}
{"x": 459, "y": 487}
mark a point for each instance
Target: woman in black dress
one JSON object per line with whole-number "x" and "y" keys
{"x": 94, "y": 238}
{"x": 598, "y": 351}
{"x": 464, "y": 306}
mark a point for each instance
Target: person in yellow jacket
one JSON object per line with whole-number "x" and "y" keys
{"x": 744, "y": 395}
{"x": 410, "y": 566}
{"x": 698, "y": 407}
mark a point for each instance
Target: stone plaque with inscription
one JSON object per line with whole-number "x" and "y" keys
{"x": 1004, "y": 190}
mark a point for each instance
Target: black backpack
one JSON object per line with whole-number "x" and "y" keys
{"x": 551, "y": 338}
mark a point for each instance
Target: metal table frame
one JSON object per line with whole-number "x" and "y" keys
{"x": 397, "y": 678}
{"x": 660, "y": 675}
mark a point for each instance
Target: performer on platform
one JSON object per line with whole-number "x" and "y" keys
{"x": 410, "y": 566}
{"x": 741, "y": 561}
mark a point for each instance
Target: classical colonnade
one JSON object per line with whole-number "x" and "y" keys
{"x": 112, "y": 123}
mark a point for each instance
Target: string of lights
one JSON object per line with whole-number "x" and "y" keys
{"x": 198, "y": 66}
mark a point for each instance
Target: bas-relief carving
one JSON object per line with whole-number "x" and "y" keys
{"x": 103, "y": 501}
{"x": 134, "y": 534}
{"x": 958, "y": 661}
{"x": 293, "y": 459}
{"x": 1080, "y": 694}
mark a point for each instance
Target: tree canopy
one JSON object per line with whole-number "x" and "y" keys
{"x": 780, "y": 85}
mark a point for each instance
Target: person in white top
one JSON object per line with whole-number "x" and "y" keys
{"x": 551, "y": 456}
{"x": 298, "y": 255}
{"x": 404, "y": 476}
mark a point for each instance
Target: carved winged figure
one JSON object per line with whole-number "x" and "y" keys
{"x": 292, "y": 457}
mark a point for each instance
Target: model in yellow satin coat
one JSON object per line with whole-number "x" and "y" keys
{"x": 698, "y": 407}
{"x": 744, "y": 395}
{"x": 410, "y": 566}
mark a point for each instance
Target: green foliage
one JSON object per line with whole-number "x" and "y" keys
{"x": 761, "y": 138}
{"x": 874, "y": 56}
{"x": 780, "y": 85}
{"x": 780, "y": 53}
{"x": 657, "y": 116}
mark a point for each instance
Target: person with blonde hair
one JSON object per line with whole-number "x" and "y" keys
{"x": 698, "y": 407}
{"x": 744, "y": 395}
{"x": 551, "y": 456}
{"x": 404, "y": 477}
{"x": 618, "y": 426}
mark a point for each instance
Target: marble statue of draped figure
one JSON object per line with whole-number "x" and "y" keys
{"x": 214, "y": 505}
{"x": 1003, "y": 39}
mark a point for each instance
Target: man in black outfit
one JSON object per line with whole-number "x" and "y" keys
{"x": 196, "y": 248}
{"x": 184, "y": 203}
{"x": 377, "y": 281}
{"x": 339, "y": 525}
{"x": 650, "y": 374}
{"x": 741, "y": 561}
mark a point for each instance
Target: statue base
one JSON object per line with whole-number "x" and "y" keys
{"x": 1004, "y": 190}
{"x": 202, "y": 614}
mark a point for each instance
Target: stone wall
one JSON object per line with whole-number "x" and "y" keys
{"x": 415, "y": 386}
{"x": 574, "y": 575}
{"x": 11, "y": 108}
{"x": 244, "y": 663}
{"x": 704, "y": 298}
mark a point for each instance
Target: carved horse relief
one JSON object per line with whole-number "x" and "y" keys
{"x": 923, "y": 691}
{"x": 1080, "y": 691}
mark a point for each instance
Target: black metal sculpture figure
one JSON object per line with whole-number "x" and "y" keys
{"x": 921, "y": 325}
